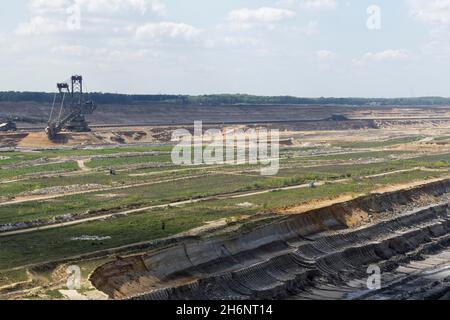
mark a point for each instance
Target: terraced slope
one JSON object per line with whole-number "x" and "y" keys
{"x": 297, "y": 257}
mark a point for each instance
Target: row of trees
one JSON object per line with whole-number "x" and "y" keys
{"x": 221, "y": 99}
{"x": 261, "y": 100}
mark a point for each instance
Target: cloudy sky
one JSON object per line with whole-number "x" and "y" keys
{"x": 268, "y": 47}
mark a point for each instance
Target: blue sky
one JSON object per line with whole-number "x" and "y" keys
{"x": 281, "y": 47}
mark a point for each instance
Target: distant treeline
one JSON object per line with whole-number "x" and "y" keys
{"x": 221, "y": 99}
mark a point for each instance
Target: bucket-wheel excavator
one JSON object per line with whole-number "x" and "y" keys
{"x": 72, "y": 110}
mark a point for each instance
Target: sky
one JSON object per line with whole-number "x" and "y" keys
{"x": 307, "y": 48}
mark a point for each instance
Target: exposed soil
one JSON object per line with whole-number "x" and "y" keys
{"x": 154, "y": 123}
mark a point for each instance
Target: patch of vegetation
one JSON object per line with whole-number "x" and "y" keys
{"x": 160, "y": 193}
{"x": 190, "y": 188}
{"x": 10, "y": 277}
{"x": 56, "y": 243}
{"x": 356, "y": 155}
{"x": 105, "y": 151}
{"x": 126, "y": 161}
{"x": 52, "y": 168}
{"x": 16, "y": 157}
{"x": 54, "y": 295}
{"x": 11, "y": 157}
{"x": 381, "y": 143}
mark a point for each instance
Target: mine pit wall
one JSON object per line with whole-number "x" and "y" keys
{"x": 278, "y": 259}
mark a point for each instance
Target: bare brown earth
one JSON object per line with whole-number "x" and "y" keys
{"x": 157, "y": 121}
{"x": 290, "y": 134}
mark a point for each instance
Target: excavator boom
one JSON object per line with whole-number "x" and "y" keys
{"x": 71, "y": 116}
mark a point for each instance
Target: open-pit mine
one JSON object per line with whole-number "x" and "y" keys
{"x": 359, "y": 208}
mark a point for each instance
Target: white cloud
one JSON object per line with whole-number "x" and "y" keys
{"x": 100, "y": 6}
{"x": 436, "y": 15}
{"x": 312, "y": 28}
{"x": 438, "y": 46}
{"x": 260, "y": 15}
{"x": 310, "y": 4}
{"x": 40, "y": 25}
{"x": 318, "y": 4}
{"x": 236, "y": 41}
{"x": 116, "y": 6}
{"x": 71, "y": 50}
{"x": 102, "y": 56}
{"x": 43, "y": 6}
{"x": 387, "y": 55}
{"x": 95, "y": 16}
{"x": 169, "y": 30}
{"x": 325, "y": 55}
{"x": 225, "y": 41}
{"x": 111, "y": 55}
{"x": 434, "y": 12}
